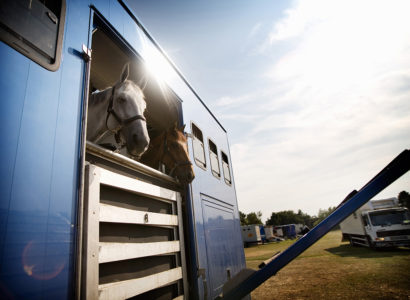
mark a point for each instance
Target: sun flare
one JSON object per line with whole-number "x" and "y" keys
{"x": 157, "y": 65}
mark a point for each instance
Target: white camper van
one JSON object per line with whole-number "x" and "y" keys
{"x": 251, "y": 234}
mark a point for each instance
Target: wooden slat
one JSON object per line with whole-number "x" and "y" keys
{"x": 120, "y": 251}
{"x": 134, "y": 185}
{"x": 115, "y": 214}
{"x": 129, "y": 288}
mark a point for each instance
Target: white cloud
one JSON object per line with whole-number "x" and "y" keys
{"x": 342, "y": 40}
{"x": 229, "y": 102}
{"x": 295, "y": 22}
{"x": 255, "y": 29}
{"x": 336, "y": 110}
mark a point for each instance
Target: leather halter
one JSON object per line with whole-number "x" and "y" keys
{"x": 122, "y": 122}
{"x": 176, "y": 162}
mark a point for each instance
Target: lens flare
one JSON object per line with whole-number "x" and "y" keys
{"x": 33, "y": 268}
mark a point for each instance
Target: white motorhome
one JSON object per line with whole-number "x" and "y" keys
{"x": 378, "y": 223}
{"x": 269, "y": 232}
{"x": 251, "y": 234}
{"x": 278, "y": 231}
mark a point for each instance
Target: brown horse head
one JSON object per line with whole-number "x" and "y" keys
{"x": 171, "y": 149}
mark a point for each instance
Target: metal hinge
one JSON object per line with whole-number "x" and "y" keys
{"x": 202, "y": 273}
{"x": 86, "y": 53}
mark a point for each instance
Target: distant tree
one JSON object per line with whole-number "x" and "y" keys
{"x": 242, "y": 217}
{"x": 305, "y": 219}
{"x": 323, "y": 214}
{"x": 288, "y": 217}
{"x": 404, "y": 199}
{"x": 274, "y": 219}
{"x": 251, "y": 218}
{"x": 254, "y": 218}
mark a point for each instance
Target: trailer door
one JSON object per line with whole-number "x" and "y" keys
{"x": 216, "y": 242}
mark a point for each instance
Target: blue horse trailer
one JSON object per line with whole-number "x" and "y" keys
{"x": 81, "y": 221}
{"x": 78, "y": 220}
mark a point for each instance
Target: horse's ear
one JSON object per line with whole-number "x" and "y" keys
{"x": 174, "y": 130}
{"x": 142, "y": 83}
{"x": 125, "y": 72}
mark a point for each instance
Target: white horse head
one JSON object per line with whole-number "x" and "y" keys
{"x": 120, "y": 109}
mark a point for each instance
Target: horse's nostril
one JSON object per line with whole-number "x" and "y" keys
{"x": 140, "y": 141}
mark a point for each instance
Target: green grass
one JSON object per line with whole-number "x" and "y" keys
{"x": 331, "y": 269}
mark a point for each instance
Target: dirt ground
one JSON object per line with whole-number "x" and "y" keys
{"x": 331, "y": 269}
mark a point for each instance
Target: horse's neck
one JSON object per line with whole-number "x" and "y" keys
{"x": 97, "y": 112}
{"x": 153, "y": 156}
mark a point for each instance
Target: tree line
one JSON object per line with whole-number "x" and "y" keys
{"x": 299, "y": 217}
{"x": 286, "y": 217}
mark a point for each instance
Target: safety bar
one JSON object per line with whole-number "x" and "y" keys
{"x": 128, "y": 162}
{"x": 394, "y": 170}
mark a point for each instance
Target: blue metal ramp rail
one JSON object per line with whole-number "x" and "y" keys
{"x": 250, "y": 280}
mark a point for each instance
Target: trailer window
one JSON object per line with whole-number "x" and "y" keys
{"x": 34, "y": 28}
{"x": 198, "y": 146}
{"x": 213, "y": 158}
{"x": 225, "y": 167}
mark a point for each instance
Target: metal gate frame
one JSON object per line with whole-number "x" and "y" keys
{"x": 96, "y": 252}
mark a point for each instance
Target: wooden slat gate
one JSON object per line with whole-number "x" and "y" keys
{"x": 133, "y": 238}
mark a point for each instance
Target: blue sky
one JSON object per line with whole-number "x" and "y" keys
{"x": 315, "y": 95}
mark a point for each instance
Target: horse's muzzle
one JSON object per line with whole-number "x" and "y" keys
{"x": 138, "y": 145}
{"x": 186, "y": 177}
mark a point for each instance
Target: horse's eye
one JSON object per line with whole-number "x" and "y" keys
{"x": 121, "y": 100}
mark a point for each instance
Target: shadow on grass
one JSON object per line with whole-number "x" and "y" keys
{"x": 345, "y": 250}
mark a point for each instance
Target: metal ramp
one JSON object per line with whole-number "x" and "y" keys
{"x": 247, "y": 280}
{"x": 133, "y": 241}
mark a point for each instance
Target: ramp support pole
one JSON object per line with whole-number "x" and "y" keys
{"x": 395, "y": 169}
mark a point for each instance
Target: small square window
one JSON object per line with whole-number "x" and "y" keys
{"x": 198, "y": 146}
{"x": 35, "y": 29}
{"x": 213, "y": 158}
{"x": 226, "y": 169}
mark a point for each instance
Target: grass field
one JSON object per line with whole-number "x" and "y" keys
{"x": 332, "y": 269}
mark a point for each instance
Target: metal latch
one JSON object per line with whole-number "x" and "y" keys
{"x": 52, "y": 17}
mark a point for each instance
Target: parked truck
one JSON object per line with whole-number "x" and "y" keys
{"x": 378, "y": 223}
